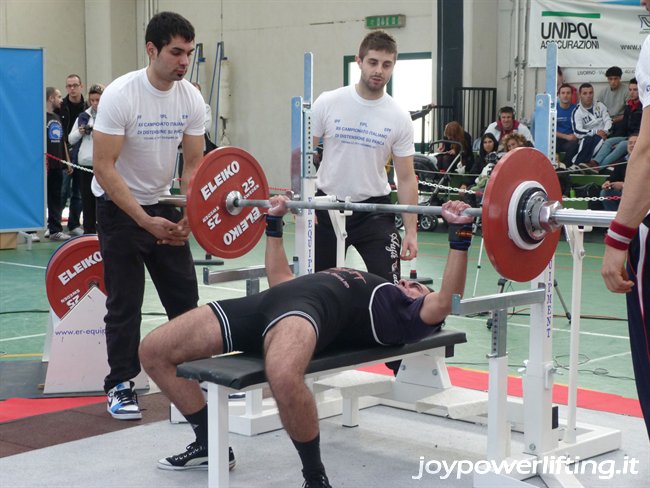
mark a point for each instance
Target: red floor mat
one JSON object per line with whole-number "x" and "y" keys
{"x": 589, "y": 399}
{"x": 18, "y": 408}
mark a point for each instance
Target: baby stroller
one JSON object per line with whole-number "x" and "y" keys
{"x": 436, "y": 167}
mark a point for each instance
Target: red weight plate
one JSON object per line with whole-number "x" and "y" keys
{"x": 510, "y": 261}
{"x": 222, "y": 171}
{"x": 73, "y": 268}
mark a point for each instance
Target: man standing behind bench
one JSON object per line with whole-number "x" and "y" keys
{"x": 292, "y": 320}
{"x": 141, "y": 119}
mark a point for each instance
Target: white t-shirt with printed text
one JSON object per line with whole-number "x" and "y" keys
{"x": 153, "y": 123}
{"x": 359, "y": 137}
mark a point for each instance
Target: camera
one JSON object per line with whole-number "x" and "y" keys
{"x": 87, "y": 128}
{"x": 491, "y": 158}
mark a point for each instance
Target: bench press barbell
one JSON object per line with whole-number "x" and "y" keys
{"x": 521, "y": 216}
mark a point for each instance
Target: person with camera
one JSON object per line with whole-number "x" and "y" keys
{"x": 81, "y": 139}
{"x": 476, "y": 178}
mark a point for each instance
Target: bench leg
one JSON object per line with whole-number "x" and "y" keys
{"x": 254, "y": 401}
{"x": 351, "y": 412}
{"x": 218, "y": 473}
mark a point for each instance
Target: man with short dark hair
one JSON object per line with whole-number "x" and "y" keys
{"x": 362, "y": 129}
{"x": 591, "y": 124}
{"x": 142, "y": 118}
{"x": 56, "y": 151}
{"x": 565, "y": 140}
{"x": 507, "y": 124}
{"x": 614, "y": 148}
{"x": 614, "y": 96}
{"x": 73, "y": 104}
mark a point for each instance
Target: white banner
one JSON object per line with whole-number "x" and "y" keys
{"x": 589, "y": 33}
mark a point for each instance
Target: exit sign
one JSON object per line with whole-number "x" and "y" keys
{"x": 385, "y": 21}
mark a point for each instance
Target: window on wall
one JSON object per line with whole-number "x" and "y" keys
{"x": 411, "y": 85}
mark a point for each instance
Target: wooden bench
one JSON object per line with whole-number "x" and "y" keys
{"x": 245, "y": 372}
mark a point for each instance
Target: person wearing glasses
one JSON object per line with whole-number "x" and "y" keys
{"x": 73, "y": 104}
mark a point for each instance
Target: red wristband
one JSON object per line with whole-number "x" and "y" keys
{"x": 619, "y": 236}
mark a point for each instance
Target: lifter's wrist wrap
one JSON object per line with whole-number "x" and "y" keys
{"x": 274, "y": 225}
{"x": 460, "y": 236}
{"x": 619, "y": 236}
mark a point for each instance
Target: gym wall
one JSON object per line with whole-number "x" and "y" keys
{"x": 264, "y": 42}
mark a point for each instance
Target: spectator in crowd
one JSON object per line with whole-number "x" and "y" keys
{"x": 480, "y": 171}
{"x": 448, "y": 152}
{"x": 208, "y": 109}
{"x": 613, "y": 186}
{"x": 73, "y": 104}
{"x": 56, "y": 150}
{"x": 513, "y": 141}
{"x": 614, "y": 148}
{"x": 561, "y": 81}
{"x": 81, "y": 139}
{"x": 614, "y": 96}
{"x": 565, "y": 140}
{"x": 592, "y": 125}
{"x": 507, "y": 124}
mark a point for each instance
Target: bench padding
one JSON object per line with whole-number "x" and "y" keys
{"x": 238, "y": 371}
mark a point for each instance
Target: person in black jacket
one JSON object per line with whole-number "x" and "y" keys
{"x": 73, "y": 104}
{"x": 56, "y": 151}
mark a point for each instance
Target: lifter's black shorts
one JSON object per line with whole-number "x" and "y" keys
{"x": 245, "y": 321}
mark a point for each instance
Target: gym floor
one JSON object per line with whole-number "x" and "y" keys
{"x": 606, "y": 378}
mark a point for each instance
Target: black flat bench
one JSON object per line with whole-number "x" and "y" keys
{"x": 242, "y": 371}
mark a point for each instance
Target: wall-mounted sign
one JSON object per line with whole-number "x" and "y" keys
{"x": 385, "y": 21}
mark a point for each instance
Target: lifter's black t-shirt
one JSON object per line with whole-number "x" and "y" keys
{"x": 350, "y": 308}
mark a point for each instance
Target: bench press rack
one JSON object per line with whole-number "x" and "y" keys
{"x": 422, "y": 384}
{"x": 536, "y": 417}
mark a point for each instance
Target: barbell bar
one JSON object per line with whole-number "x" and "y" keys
{"x": 521, "y": 213}
{"x": 556, "y": 217}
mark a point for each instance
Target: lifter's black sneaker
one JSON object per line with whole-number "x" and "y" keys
{"x": 194, "y": 457}
{"x": 317, "y": 481}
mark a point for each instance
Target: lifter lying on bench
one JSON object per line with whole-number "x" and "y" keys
{"x": 288, "y": 323}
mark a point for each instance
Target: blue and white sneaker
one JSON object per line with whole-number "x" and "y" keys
{"x": 122, "y": 402}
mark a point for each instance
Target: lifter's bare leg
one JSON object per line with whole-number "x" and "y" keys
{"x": 288, "y": 347}
{"x": 193, "y": 335}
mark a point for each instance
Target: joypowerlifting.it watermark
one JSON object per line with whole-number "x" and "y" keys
{"x": 605, "y": 469}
